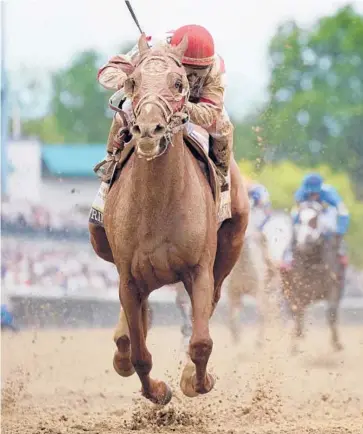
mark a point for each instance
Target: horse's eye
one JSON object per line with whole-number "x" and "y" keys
{"x": 179, "y": 86}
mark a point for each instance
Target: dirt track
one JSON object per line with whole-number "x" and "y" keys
{"x": 57, "y": 382}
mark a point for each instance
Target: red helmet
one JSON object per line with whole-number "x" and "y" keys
{"x": 200, "y": 51}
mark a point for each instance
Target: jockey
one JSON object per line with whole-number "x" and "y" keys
{"x": 314, "y": 189}
{"x": 260, "y": 198}
{"x": 205, "y": 72}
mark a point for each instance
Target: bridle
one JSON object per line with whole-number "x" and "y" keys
{"x": 175, "y": 120}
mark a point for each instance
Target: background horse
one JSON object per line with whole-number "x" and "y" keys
{"x": 254, "y": 274}
{"x": 161, "y": 222}
{"x": 314, "y": 275}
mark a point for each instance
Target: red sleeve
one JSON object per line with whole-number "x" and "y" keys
{"x": 207, "y": 101}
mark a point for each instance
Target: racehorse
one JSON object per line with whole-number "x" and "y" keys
{"x": 161, "y": 222}
{"x": 254, "y": 274}
{"x": 314, "y": 273}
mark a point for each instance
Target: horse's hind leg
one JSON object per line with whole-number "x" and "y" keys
{"x": 263, "y": 313}
{"x": 122, "y": 357}
{"x": 135, "y": 309}
{"x": 184, "y": 305}
{"x": 232, "y": 232}
{"x": 234, "y": 310}
{"x": 298, "y": 332}
{"x": 332, "y": 316}
{"x": 196, "y": 379}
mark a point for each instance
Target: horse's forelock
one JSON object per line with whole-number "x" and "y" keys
{"x": 159, "y": 50}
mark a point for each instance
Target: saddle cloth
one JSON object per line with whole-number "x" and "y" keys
{"x": 198, "y": 139}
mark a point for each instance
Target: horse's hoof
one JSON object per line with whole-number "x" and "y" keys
{"x": 122, "y": 365}
{"x": 167, "y": 397}
{"x": 187, "y": 380}
{"x": 162, "y": 397}
{"x": 211, "y": 382}
{"x": 294, "y": 351}
{"x": 338, "y": 346}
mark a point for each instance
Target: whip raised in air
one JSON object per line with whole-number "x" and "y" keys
{"x": 129, "y": 7}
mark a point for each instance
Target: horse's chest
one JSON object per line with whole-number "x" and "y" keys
{"x": 156, "y": 262}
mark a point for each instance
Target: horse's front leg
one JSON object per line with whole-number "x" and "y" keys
{"x": 332, "y": 316}
{"x": 234, "y": 309}
{"x": 122, "y": 357}
{"x": 298, "y": 314}
{"x": 135, "y": 308}
{"x": 195, "y": 378}
{"x": 263, "y": 305}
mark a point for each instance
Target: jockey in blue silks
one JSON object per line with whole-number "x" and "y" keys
{"x": 314, "y": 189}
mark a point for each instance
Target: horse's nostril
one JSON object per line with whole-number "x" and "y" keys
{"x": 136, "y": 130}
{"x": 159, "y": 129}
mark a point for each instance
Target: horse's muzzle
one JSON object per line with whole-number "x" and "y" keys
{"x": 145, "y": 131}
{"x": 149, "y": 148}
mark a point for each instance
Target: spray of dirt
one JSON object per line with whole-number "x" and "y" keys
{"x": 14, "y": 389}
{"x": 73, "y": 389}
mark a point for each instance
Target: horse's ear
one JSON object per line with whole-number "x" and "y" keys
{"x": 143, "y": 45}
{"x": 180, "y": 49}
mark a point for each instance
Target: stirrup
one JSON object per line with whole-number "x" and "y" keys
{"x": 99, "y": 167}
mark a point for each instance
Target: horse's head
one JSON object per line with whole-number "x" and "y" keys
{"x": 308, "y": 230}
{"x": 158, "y": 88}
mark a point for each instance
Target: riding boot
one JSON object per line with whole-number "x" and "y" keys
{"x": 220, "y": 152}
{"x": 117, "y": 137}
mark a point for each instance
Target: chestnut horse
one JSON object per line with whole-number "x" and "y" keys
{"x": 254, "y": 274}
{"x": 161, "y": 223}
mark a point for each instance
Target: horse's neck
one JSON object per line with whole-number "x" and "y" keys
{"x": 157, "y": 181}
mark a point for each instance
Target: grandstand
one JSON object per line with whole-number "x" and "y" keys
{"x": 50, "y": 186}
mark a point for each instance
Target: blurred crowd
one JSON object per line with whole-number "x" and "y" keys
{"x": 27, "y": 215}
{"x": 72, "y": 268}
{"x": 69, "y": 267}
